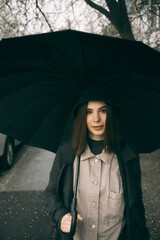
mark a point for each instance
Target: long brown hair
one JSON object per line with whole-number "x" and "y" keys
{"x": 112, "y": 138}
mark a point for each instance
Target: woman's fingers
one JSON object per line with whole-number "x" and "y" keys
{"x": 79, "y": 218}
{"x": 66, "y": 223}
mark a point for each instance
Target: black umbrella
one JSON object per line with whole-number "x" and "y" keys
{"x": 41, "y": 76}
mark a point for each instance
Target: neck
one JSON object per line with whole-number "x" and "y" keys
{"x": 96, "y": 137}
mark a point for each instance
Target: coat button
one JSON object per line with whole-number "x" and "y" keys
{"x": 94, "y": 204}
{"x": 93, "y": 226}
{"x": 96, "y": 160}
{"x": 95, "y": 182}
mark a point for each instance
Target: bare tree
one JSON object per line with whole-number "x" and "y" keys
{"x": 146, "y": 21}
{"x": 130, "y": 19}
{"x": 19, "y": 17}
{"x": 44, "y": 15}
{"x": 116, "y": 12}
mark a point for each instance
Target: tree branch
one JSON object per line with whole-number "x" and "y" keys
{"x": 122, "y": 5}
{"x": 9, "y": 24}
{"x": 99, "y": 8}
{"x": 43, "y": 14}
{"x": 141, "y": 16}
{"x": 151, "y": 11}
{"x": 72, "y": 3}
{"x": 6, "y": 3}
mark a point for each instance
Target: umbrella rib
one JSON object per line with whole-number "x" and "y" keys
{"x": 36, "y": 100}
{"x": 67, "y": 59}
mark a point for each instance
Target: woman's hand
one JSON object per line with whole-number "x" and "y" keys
{"x": 66, "y": 222}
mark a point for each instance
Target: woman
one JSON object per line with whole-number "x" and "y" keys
{"x": 109, "y": 197}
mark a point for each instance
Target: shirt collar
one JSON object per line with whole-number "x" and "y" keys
{"x": 104, "y": 156}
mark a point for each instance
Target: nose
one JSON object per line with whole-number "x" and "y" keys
{"x": 96, "y": 117}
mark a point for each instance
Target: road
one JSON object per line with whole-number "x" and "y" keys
{"x": 30, "y": 172}
{"x": 23, "y": 212}
{"x": 150, "y": 166}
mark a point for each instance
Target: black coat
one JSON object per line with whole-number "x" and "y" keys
{"x": 59, "y": 192}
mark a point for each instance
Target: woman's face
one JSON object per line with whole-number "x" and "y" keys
{"x": 96, "y": 119}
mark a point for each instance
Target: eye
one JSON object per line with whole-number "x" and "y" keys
{"x": 88, "y": 111}
{"x": 104, "y": 110}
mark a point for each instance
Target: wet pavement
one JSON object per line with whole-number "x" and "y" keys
{"x": 150, "y": 166}
{"x": 23, "y": 213}
{"x": 30, "y": 171}
{"x": 23, "y": 216}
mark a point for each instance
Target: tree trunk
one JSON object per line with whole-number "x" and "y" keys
{"x": 117, "y": 15}
{"x": 123, "y": 27}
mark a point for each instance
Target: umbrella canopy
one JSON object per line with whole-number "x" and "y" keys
{"x": 42, "y": 76}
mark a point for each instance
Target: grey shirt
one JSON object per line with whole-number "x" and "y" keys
{"x": 100, "y": 199}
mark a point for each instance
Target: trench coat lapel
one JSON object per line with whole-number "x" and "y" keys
{"x": 128, "y": 152}
{"x": 128, "y": 159}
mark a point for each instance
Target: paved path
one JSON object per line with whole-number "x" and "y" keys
{"x": 23, "y": 212}
{"x": 150, "y": 165}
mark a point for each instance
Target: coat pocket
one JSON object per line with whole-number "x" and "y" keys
{"x": 115, "y": 207}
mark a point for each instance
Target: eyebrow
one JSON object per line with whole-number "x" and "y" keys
{"x": 98, "y": 108}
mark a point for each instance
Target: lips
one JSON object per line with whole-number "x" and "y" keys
{"x": 98, "y": 127}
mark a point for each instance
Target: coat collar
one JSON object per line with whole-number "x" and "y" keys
{"x": 128, "y": 152}
{"x": 105, "y": 157}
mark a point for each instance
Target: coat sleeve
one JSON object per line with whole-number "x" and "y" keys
{"x": 55, "y": 204}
